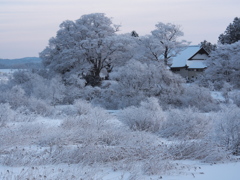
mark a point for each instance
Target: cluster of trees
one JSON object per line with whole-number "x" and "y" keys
{"x": 88, "y": 59}
{"x": 91, "y": 48}
{"x": 232, "y": 33}
{"x": 223, "y": 64}
{"x": 89, "y": 51}
{"x": 88, "y": 65}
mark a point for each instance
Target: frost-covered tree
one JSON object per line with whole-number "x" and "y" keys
{"x": 136, "y": 81}
{"x": 149, "y": 49}
{"x": 84, "y": 47}
{"x": 224, "y": 66}
{"x": 167, "y": 38}
{"x": 232, "y": 33}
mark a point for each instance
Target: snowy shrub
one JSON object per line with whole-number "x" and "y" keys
{"x": 227, "y": 129}
{"x": 50, "y": 89}
{"x": 115, "y": 98}
{"x": 185, "y": 124}
{"x": 136, "y": 81}
{"x": 87, "y": 123}
{"x": 96, "y": 117}
{"x": 203, "y": 150}
{"x": 21, "y": 77}
{"x": 198, "y": 97}
{"x": 234, "y": 96}
{"x": 158, "y": 166}
{"x": 82, "y": 107}
{"x": 6, "y": 114}
{"x": 4, "y": 89}
{"x": 16, "y": 97}
{"x": 226, "y": 91}
{"x": 39, "y": 107}
{"x": 149, "y": 116}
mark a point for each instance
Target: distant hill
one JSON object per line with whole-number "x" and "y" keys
{"x": 27, "y": 62}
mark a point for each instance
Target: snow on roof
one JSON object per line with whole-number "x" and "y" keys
{"x": 196, "y": 64}
{"x": 181, "y": 59}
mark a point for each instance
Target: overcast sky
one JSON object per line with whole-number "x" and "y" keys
{"x": 27, "y": 25}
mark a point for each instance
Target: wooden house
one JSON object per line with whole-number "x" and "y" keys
{"x": 190, "y": 62}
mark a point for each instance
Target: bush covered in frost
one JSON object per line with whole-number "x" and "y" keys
{"x": 185, "y": 124}
{"x": 6, "y": 114}
{"x": 198, "y": 97}
{"x": 227, "y": 128}
{"x": 234, "y": 96}
{"x": 203, "y": 150}
{"x": 149, "y": 116}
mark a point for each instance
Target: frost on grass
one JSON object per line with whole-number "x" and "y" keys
{"x": 87, "y": 137}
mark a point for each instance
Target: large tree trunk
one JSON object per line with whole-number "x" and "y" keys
{"x": 166, "y": 56}
{"x": 93, "y": 78}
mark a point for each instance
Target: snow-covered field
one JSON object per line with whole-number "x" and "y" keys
{"x": 30, "y": 166}
{"x": 227, "y": 171}
{"x": 93, "y": 144}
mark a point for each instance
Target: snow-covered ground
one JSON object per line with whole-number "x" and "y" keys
{"x": 226, "y": 171}
{"x": 186, "y": 170}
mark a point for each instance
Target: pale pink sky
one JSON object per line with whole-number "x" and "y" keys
{"x": 27, "y": 25}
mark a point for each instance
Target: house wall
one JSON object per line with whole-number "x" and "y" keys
{"x": 190, "y": 67}
{"x": 193, "y": 74}
{"x": 199, "y": 56}
{"x": 189, "y": 74}
{"x": 181, "y": 71}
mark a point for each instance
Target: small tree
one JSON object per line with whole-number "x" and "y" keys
{"x": 232, "y": 33}
{"x": 167, "y": 36}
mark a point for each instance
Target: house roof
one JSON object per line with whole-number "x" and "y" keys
{"x": 185, "y": 58}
